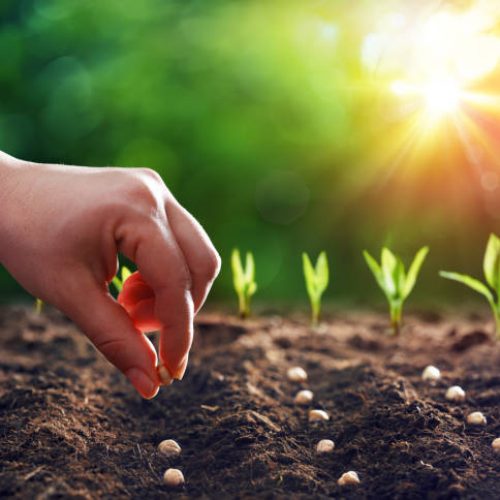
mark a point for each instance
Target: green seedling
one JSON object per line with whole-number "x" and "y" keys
{"x": 316, "y": 279}
{"x": 118, "y": 281}
{"x": 392, "y": 278}
{"x": 38, "y": 306}
{"x": 491, "y": 269}
{"x": 243, "y": 281}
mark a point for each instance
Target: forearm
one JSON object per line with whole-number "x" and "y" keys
{"x": 10, "y": 170}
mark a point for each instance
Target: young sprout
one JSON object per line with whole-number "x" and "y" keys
{"x": 243, "y": 280}
{"x": 38, "y": 306}
{"x": 119, "y": 281}
{"x": 316, "y": 279}
{"x": 491, "y": 269}
{"x": 394, "y": 281}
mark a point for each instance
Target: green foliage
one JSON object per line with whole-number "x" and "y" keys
{"x": 392, "y": 278}
{"x": 243, "y": 280}
{"x": 316, "y": 279}
{"x": 491, "y": 269}
{"x": 121, "y": 277}
{"x": 231, "y": 97}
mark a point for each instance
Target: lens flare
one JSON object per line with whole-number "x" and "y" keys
{"x": 442, "y": 96}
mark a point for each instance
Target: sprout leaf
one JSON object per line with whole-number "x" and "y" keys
{"x": 243, "y": 280}
{"x": 392, "y": 278}
{"x": 316, "y": 279}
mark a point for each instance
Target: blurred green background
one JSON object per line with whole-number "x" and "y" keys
{"x": 272, "y": 121}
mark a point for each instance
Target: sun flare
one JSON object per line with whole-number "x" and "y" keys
{"x": 441, "y": 73}
{"x": 442, "y": 96}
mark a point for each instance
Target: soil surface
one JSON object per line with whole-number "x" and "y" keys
{"x": 71, "y": 426}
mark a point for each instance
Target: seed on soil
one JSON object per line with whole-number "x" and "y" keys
{"x": 169, "y": 448}
{"x": 296, "y": 374}
{"x": 431, "y": 373}
{"x": 348, "y": 478}
{"x": 303, "y": 397}
{"x": 318, "y": 416}
{"x": 325, "y": 446}
{"x": 173, "y": 478}
{"x": 495, "y": 444}
{"x": 164, "y": 375}
{"x": 476, "y": 418}
{"x": 455, "y": 393}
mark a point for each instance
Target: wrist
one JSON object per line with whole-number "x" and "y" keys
{"x": 10, "y": 169}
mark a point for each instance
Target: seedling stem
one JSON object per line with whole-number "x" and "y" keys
{"x": 316, "y": 279}
{"x": 38, "y": 306}
{"x": 395, "y": 282}
{"x": 243, "y": 281}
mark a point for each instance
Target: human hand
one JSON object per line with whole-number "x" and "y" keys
{"x": 60, "y": 233}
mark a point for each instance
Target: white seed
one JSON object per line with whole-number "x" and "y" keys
{"x": 455, "y": 393}
{"x": 348, "y": 478}
{"x": 169, "y": 448}
{"x": 476, "y": 418}
{"x": 173, "y": 478}
{"x": 431, "y": 373}
{"x": 325, "y": 446}
{"x": 296, "y": 374}
{"x": 318, "y": 416}
{"x": 303, "y": 397}
{"x": 495, "y": 444}
{"x": 164, "y": 375}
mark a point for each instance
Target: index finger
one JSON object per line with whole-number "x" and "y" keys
{"x": 163, "y": 267}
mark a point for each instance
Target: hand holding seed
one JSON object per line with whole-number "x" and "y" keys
{"x": 76, "y": 222}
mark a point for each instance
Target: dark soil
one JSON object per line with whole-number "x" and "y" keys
{"x": 71, "y": 426}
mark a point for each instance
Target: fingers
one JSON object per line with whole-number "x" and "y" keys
{"x": 163, "y": 267}
{"x": 110, "y": 329}
{"x": 201, "y": 257}
{"x": 176, "y": 339}
{"x": 138, "y": 299}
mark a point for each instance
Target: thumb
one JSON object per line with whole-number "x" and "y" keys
{"x": 111, "y": 330}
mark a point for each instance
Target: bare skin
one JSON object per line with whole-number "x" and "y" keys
{"x": 61, "y": 229}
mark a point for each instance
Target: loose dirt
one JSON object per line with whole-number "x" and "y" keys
{"x": 72, "y": 427}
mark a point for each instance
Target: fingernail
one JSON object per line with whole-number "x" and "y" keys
{"x": 145, "y": 386}
{"x": 164, "y": 375}
{"x": 181, "y": 370}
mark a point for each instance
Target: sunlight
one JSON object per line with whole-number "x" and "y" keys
{"x": 442, "y": 96}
